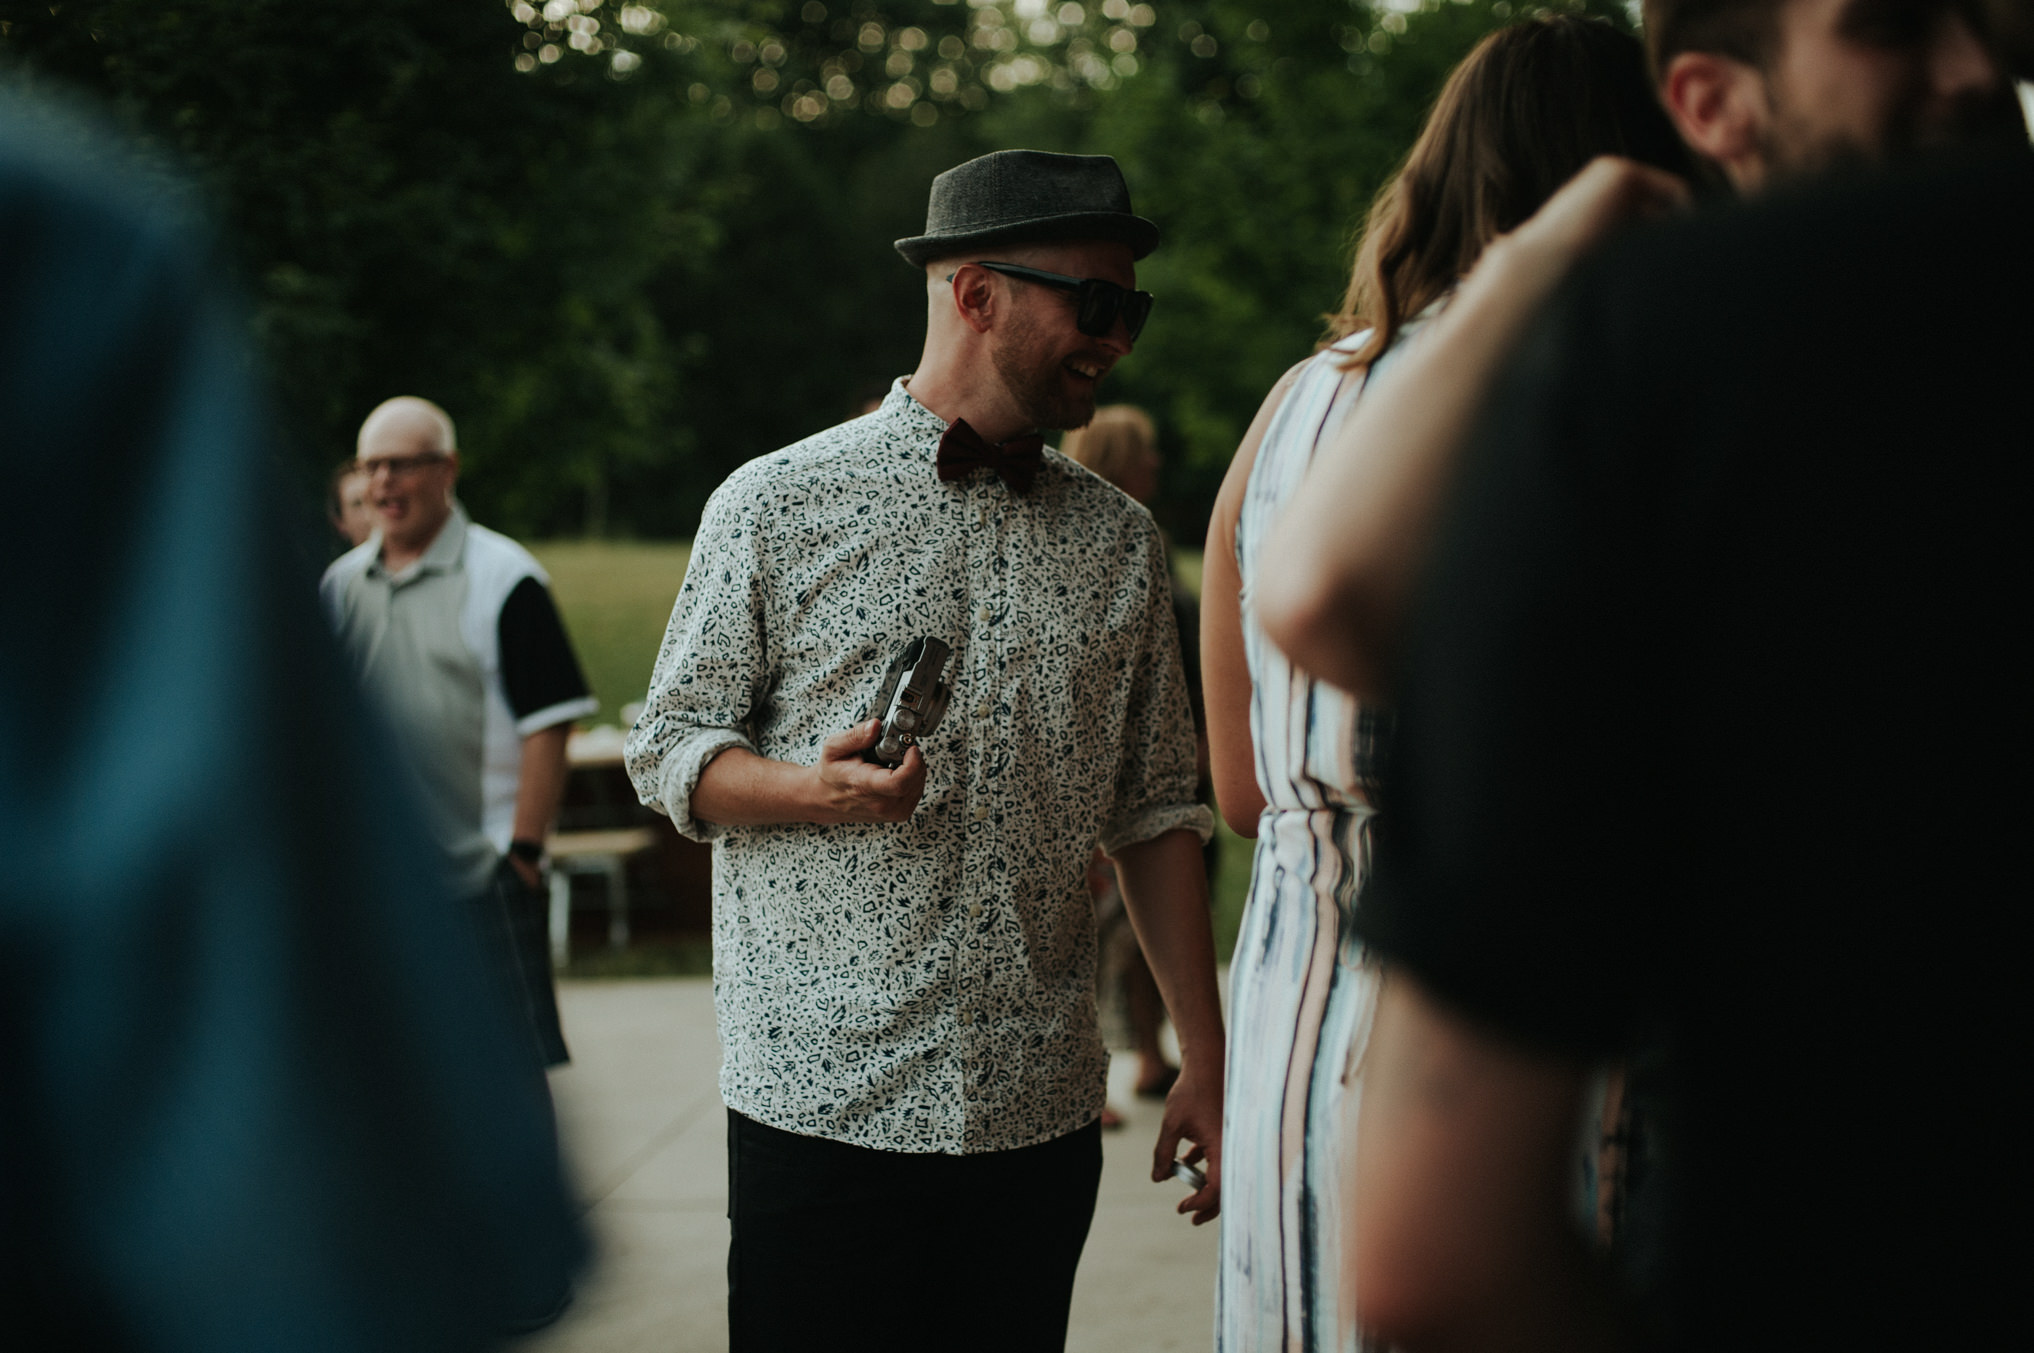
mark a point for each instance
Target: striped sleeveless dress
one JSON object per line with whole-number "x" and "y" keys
{"x": 1300, "y": 998}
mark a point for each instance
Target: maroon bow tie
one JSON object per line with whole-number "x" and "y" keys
{"x": 962, "y": 449}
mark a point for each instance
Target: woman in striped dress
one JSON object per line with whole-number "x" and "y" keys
{"x": 1294, "y": 760}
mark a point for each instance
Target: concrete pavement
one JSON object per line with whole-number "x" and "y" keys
{"x": 645, "y": 1132}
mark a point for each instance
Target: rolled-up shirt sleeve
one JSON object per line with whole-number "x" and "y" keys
{"x": 1156, "y": 781}
{"x": 713, "y": 666}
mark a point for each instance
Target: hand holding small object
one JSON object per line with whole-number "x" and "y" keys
{"x": 1193, "y": 1120}
{"x": 856, "y": 790}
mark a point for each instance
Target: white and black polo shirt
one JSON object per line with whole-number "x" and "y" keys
{"x": 466, "y": 652}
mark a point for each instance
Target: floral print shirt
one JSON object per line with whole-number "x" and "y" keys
{"x": 924, "y": 986}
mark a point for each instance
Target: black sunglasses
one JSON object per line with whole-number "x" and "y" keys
{"x": 1098, "y": 302}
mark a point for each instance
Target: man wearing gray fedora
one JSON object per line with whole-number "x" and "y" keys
{"x": 905, "y": 954}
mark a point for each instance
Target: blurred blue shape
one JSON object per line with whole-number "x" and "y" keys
{"x": 255, "y": 1091}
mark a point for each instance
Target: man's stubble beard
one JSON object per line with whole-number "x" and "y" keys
{"x": 1036, "y": 385}
{"x": 1793, "y": 144}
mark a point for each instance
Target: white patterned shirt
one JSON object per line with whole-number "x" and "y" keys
{"x": 926, "y": 985}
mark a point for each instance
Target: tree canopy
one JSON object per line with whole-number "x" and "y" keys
{"x": 630, "y": 246}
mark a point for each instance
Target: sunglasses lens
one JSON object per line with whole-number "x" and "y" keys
{"x": 1136, "y": 310}
{"x": 1101, "y": 302}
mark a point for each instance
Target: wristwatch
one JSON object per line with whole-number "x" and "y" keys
{"x": 529, "y": 852}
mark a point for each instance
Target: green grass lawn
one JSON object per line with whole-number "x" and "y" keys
{"x": 616, "y": 597}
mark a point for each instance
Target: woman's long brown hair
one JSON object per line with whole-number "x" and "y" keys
{"x": 1523, "y": 113}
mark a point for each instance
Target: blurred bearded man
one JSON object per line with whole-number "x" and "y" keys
{"x": 1769, "y": 89}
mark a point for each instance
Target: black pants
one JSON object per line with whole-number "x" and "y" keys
{"x": 841, "y": 1247}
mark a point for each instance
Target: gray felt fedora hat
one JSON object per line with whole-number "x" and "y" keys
{"x": 1023, "y": 196}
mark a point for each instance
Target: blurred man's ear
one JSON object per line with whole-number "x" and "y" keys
{"x": 2008, "y": 28}
{"x": 1719, "y": 105}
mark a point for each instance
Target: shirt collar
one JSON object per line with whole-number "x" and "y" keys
{"x": 443, "y": 555}
{"x": 908, "y": 417}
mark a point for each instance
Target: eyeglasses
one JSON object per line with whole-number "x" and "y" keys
{"x": 1097, "y": 302}
{"x": 401, "y": 467}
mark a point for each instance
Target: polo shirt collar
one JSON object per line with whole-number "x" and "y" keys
{"x": 442, "y": 556}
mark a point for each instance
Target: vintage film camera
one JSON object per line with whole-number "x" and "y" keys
{"x": 911, "y": 701}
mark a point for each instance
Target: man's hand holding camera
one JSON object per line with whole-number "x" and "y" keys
{"x": 853, "y": 789}
{"x": 872, "y": 772}
{"x": 740, "y": 789}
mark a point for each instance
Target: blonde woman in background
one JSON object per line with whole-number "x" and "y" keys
{"x": 1121, "y": 445}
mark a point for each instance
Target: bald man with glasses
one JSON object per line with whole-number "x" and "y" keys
{"x": 454, "y": 631}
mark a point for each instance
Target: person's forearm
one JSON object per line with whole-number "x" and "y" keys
{"x": 1337, "y": 570}
{"x": 1225, "y": 674}
{"x": 1165, "y": 891}
{"x": 541, "y": 782}
{"x": 1225, "y": 671}
{"x": 741, "y": 789}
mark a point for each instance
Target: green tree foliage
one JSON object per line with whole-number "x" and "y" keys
{"x": 632, "y": 245}
{"x": 412, "y": 214}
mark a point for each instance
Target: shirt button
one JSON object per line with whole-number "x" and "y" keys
{"x": 974, "y": 909}
{"x": 981, "y": 812}
{"x": 967, "y": 1017}
{"x": 982, "y": 710}
{"x": 984, "y": 615}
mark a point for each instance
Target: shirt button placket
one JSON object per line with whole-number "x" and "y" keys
{"x": 970, "y": 976}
